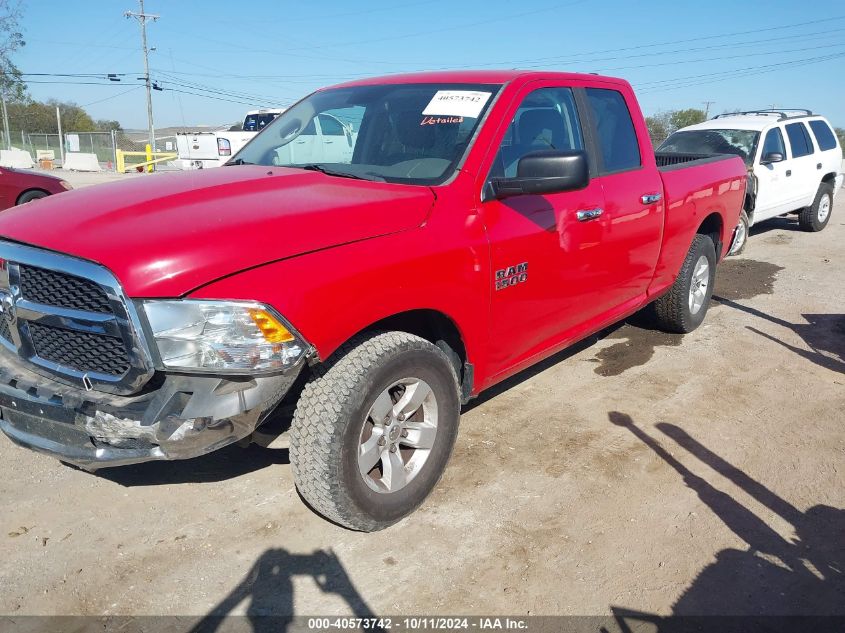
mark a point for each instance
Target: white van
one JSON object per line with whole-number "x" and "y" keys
{"x": 793, "y": 157}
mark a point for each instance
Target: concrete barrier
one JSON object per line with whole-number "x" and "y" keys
{"x": 79, "y": 161}
{"x": 16, "y": 158}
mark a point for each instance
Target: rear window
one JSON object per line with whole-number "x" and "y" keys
{"x": 616, "y": 135}
{"x": 256, "y": 122}
{"x": 799, "y": 140}
{"x": 824, "y": 135}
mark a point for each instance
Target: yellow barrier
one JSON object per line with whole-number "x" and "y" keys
{"x": 150, "y": 159}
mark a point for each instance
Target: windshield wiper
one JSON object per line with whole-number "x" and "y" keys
{"x": 329, "y": 172}
{"x": 237, "y": 161}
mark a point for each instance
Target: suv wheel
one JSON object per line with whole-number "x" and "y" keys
{"x": 374, "y": 429}
{"x": 683, "y": 308}
{"x": 815, "y": 217}
{"x": 740, "y": 235}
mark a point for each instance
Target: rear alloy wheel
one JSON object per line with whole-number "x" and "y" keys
{"x": 374, "y": 429}
{"x": 740, "y": 235}
{"x": 683, "y": 308}
{"x": 815, "y": 217}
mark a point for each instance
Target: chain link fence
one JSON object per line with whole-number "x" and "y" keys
{"x": 48, "y": 145}
{"x": 103, "y": 145}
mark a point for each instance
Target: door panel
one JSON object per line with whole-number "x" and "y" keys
{"x": 542, "y": 256}
{"x": 775, "y": 194}
{"x": 632, "y": 227}
{"x": 804, "y": 180}
{"x": 6, "y": 190}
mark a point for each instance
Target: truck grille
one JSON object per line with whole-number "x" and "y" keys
{"x": 59, "y": 289}
{"x": 70, "y": 319}
{"x": 80, "y": 350}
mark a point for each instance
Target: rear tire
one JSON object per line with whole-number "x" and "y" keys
{"x": 29, "y": 196}
{"x": 683, "y": 308}
{"x": 815, "y": 217}
{"x": 740, "y": 235}
{"x": 374, "y": 429}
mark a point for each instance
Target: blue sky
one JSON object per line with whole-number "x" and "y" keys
{"x": 233, "y": 56}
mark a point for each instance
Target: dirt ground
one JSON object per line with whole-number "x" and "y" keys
{"x": 661, "y": 474}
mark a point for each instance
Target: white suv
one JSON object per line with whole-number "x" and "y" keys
{"x": 793, "y": 157}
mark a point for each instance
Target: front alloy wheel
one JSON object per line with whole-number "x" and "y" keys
{"x": 398, "y": 435}
{"x": 374, "y": 428}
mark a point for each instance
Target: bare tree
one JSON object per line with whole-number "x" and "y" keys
{"x": 11, "y": 39}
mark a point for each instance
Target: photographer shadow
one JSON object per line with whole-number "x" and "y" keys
{"x": 269, "y": 588}
{"x": 801, "y": 577}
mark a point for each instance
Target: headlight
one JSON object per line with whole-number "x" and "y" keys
{"x": 64, "y": 184}
{"x": 223, "y": 335}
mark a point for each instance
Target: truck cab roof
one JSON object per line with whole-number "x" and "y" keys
{"x": 476, "y": 76}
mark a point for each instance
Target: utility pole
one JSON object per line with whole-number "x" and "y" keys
{"x": 707, "y": 105}
{"x": 7, "y": 137}
{"x": 142, "y": 20}
{"x": 61, "y": 138}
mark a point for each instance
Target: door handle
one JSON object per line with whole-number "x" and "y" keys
{"x": 788, "y": 172}
{"x": 818, "y": 165}
{"x": 585, "y": 215}
{"x": 651, "y": 198}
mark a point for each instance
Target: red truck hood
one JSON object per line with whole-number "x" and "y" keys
{"x": 167, "y": 234}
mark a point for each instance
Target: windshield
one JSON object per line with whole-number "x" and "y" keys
{"x": 407, "y": 133}
{"x": 741, "y": 143}
{"x": 256, "y": 122}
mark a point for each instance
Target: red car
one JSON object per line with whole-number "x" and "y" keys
{"x": 480, "y": 222}
{"x": 22, "y": 185}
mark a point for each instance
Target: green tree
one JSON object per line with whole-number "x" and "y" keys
{"x": 684, "y": 118}
{"x": 11, "y": 39}
{"x": 659, "y": 127}
{"x": 35, "y": 116}
{"x": 107, "y": 126}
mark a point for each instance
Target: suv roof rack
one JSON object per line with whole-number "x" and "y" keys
{"x": 782, "y": 114}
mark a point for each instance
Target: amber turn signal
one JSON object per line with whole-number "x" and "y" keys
{"x": 273, "y": 331}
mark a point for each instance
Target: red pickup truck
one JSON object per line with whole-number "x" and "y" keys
{"x": 481, "y": 222}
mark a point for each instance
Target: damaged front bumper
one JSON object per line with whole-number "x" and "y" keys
{"x": 175, "y": 417}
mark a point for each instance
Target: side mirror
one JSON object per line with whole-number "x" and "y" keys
{"x": 771, "y": 157}
{"x": 545, "y": 171}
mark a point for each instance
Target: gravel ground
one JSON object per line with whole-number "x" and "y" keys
{"x": 660, "y": 474}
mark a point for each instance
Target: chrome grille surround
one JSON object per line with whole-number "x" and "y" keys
{"x": 122, "y": 323}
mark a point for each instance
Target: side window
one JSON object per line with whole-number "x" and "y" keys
{"x": 310, "y": 129}
{"x": 824, "y": 135}
{"x": 774, "y": 143}
{"x": 546, "y": 119}
{"x": 799, "y": 141}
{"x": 330, "y": 126}
{"x": 617, "y": 137}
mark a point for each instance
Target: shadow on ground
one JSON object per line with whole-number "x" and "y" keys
{"x": 268, "y": 589}
{"x": 773, "y": 576}
{"x": 824, "y": 334}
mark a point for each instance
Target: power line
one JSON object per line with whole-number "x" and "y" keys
{"x": 695, "y": 80}
{"x": 132, "y": 89}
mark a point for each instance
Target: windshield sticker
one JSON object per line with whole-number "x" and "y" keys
{"x": 457, "y": 103}
{"x": 436, "y": 120}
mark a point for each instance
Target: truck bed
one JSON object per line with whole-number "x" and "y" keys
{"x": 672, "y": 160}
{"x": 695, "y": 187}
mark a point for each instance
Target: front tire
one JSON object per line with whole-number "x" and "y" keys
{"x": 815, "y": 217}
{"x": 683, "y": 308}
{"x": 29, "y": 196}
{"x": 374, "y": 429}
